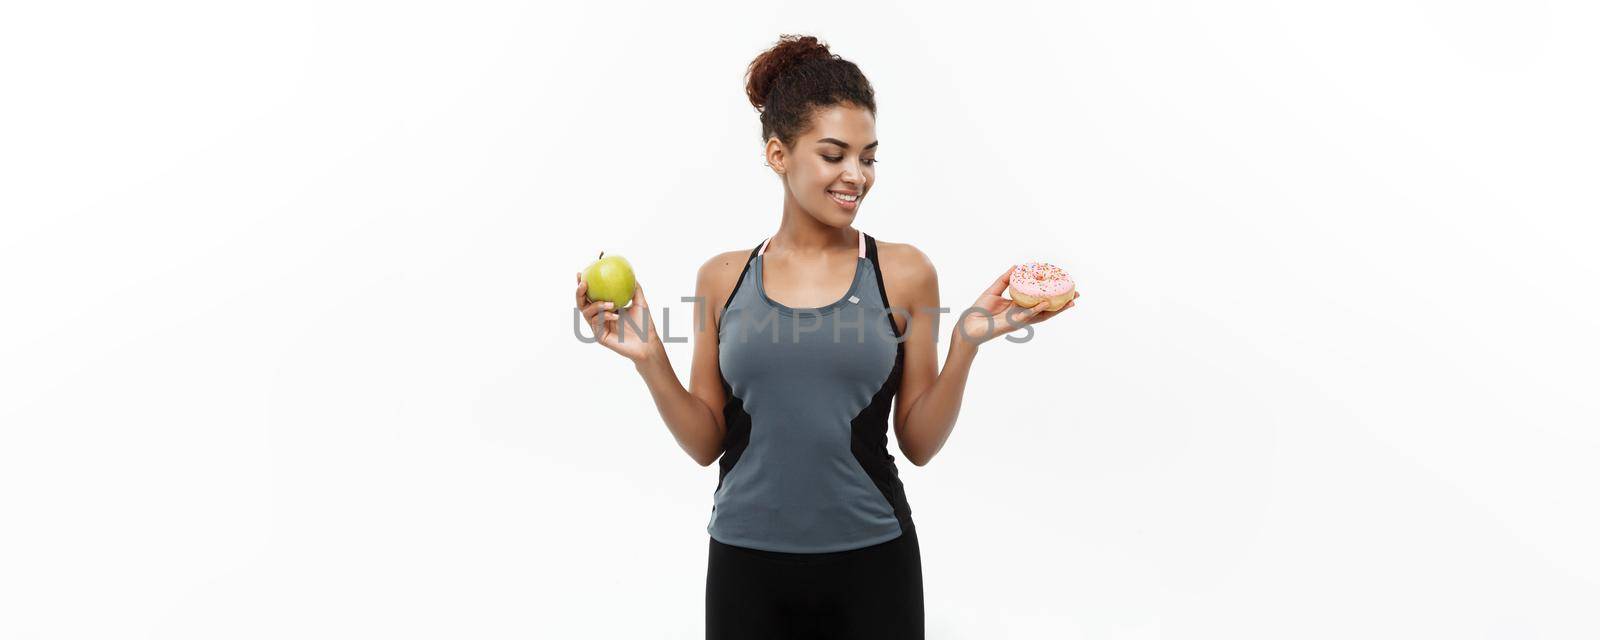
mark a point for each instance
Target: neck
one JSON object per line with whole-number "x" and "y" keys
{"x": 800, "y": 234}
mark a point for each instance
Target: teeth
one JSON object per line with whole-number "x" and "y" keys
{"x": 843, "y": 197}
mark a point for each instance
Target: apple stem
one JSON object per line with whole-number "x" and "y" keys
{"x": 602, "y": 255}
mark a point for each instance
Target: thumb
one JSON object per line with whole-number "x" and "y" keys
{"x": 1025, "y": 314}
{"x": 638, "y": 295}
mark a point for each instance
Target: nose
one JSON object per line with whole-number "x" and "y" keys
{"x": 852, "y": 175}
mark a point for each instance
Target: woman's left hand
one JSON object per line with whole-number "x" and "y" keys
{"x": 1004, "y": 316}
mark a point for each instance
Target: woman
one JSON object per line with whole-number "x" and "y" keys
{"x": 791, "y": 385}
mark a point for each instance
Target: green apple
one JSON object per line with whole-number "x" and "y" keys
{"x": 610, "y": 278}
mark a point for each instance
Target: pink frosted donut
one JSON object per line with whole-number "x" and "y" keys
{"x": 1035, "y": 282}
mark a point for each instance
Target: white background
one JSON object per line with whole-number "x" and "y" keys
{"x": 287, "y": 345}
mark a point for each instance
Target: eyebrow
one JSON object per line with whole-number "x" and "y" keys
{"x": 846, "y": 145}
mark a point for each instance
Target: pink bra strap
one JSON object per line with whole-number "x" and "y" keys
{"x": 861, "y": 242}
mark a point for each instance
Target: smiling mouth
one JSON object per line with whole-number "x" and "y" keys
{"x": 851, "y": 202}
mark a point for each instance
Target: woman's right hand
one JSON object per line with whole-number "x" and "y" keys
{"x": 621, "y": 336}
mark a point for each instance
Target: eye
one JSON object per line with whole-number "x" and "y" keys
{"x": 869, "y": 162}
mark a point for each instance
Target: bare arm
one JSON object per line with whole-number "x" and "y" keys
{"x": 694, "y": 415}
{"x": 932, "y": 417}
{"x": 930, "y": 399}
{"x": 929, "y": 403}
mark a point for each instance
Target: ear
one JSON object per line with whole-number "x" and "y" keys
{"x": 775, "y": 155}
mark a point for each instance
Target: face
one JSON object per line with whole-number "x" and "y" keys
{"x": 831, "y": 162}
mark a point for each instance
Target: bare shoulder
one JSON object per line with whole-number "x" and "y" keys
{"x": 904, "y": 255}
{"x": 719, "y": 273}
{"x": 908, "y": 275}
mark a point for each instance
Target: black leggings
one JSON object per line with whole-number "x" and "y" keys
{"x": 872, "y": 592}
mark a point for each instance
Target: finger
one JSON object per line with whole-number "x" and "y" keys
{"x": 1020, "y": 313}
{"x": 638, "y": 295}
{"x": 1044, "y": 312}
{"x": 609, "y": 320}
{"x": 592, "y": 317}
{"x": 592, "y": 308}
{"x": 1043, "y": 315}
{"x": 1002, "y": 282}
{"x": 583, "y": 288}
{"x": 1064, "y": 306}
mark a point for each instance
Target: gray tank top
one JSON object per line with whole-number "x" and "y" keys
{"x": 805, "y": 465}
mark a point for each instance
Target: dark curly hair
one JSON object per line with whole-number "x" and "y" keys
{"x": 797, "y": 75}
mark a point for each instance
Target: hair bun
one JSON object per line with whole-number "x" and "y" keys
{"x": 766, "y": 68}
